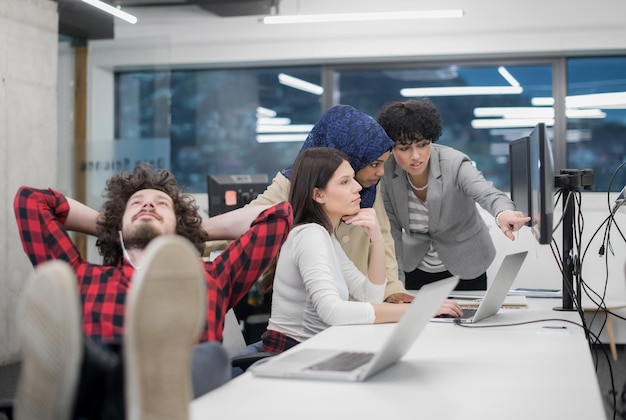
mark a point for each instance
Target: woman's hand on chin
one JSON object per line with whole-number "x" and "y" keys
{"x": 367, "y": 220}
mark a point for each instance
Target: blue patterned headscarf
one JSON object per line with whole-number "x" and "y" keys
{"x": 354, "y": 133}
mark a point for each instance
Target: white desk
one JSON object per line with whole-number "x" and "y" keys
{"x": 451, "y": 372}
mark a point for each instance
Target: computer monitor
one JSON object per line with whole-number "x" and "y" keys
{"x": 520, "y": 177}
{"x": 230, "y": 192}
{"x": 532, "y": 180}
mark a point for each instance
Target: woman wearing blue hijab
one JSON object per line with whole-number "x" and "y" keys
{"x": 359, "y": 137}
{"x": 367, "y": 147}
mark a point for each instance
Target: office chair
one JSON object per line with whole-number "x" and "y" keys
{"x": 242, "y": 356}
{"x": 6, "y": 408}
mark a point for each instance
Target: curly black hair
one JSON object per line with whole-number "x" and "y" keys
{"x": 122, "y": 186}
{"x": 411, "y": 121}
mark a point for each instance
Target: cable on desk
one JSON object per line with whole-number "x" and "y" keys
{"x": 514, "y": 324}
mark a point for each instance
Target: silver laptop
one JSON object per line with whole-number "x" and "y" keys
{"x": 496, "y": 293}
{"x": 341, "y": 365}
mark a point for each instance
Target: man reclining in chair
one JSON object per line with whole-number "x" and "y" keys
{"x": 151, "y": 297}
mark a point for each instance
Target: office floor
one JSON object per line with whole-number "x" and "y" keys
{"x": 9, "y": 375}
{"x": 604, "y": 370}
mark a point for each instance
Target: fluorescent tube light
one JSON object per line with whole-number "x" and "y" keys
{"x": 112, "y": 10}
{"x": 585, "y": 113}
{"x": 291, "y": 128}
{"x": 542, "y": 101}
{"x": 273, "y": 121}
{"x": 508, "y": 76}
{"x": 294, "y": 82}
{"x": 461, "y": 91}
{"x": 514, "y": 112}
{"x": 613, "y": 100}
{"x": 513, "y": 89}
{"x": 510, "y": 123}
{"x": 265, "y": 112}
{"x": 531, "y": 112}
{"x": 361, "y": 17}
{"x": 277, "y": 138}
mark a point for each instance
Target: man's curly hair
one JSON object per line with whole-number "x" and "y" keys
{"x": 411, "y": 121}
{"x": 122, "y": 186}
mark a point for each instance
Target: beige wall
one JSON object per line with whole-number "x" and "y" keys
{"x": 28, "y": 139}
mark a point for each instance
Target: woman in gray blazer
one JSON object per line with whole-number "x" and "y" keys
{"x": 430, "y": 193}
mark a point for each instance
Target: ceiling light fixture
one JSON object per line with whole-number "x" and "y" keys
{"x": 610, "y": 100}
{"x": 272, "y": 121}
{"x": 115, "y": 11}
{"x": 461, "y": 91}
{"x": 534, "y": 112}
{"x": 280, "y": 138}
{"x": 513, "y": 89}
{"x": 589, "y": 113}
{"x": 291, "y": 128}
{"x": 265, "y": 112}
{"x": 542, "y": 101}
{"x": 361, "y": 17}
{"x": 514, "y": 112}
{"x": 303, "y": 85}
{"x": 508, "y": 76}
{"x": 509, "y": 123}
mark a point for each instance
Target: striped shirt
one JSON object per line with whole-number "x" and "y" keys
{"x": 418, "y": 223}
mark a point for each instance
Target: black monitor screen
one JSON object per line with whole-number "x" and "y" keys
{"x": 532, "y": 180}
{"x": 230, "y": 192}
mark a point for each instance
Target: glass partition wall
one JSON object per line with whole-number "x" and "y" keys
{"x": 483, "y": 106}
{"x": 254, "y": 120}
{"x": 221, "y": 122}
{"x": 596, "y": 118}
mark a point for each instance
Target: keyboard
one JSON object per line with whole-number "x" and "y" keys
{"x": 343, "y": 362}
{"x": 469, "y": 313}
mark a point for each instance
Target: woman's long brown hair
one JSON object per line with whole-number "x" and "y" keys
{"x": 312, "y": 170}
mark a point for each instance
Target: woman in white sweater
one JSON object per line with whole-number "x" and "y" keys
{"x": 314, "y": 283}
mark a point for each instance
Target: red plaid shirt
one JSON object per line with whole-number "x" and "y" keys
{"x": 277, "y": 342}
{"x": 41, "y": 215}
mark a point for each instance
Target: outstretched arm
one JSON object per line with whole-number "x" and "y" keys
{"x": 510, "y": 221}
{"x": 231, "y": 225}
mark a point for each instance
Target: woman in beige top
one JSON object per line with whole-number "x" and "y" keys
{"x": 367, "y": 146}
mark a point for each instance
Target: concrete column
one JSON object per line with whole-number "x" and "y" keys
{"x": 28, "y": 137}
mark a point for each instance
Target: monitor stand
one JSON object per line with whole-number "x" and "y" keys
{"x": 570, "y": 181}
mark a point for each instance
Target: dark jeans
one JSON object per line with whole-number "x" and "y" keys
{"x": 417, "y": 278}
{"x": 100, "y": 394}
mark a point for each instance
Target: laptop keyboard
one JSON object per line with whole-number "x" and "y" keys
{"x": 345, "y": 362}
{"x": 469, "y": 312}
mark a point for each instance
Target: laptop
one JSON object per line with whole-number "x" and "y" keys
{"x": 496, "y": 293}
{"x": 336, "y": 364}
